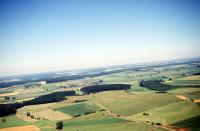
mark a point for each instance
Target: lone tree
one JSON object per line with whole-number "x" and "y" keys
{"x": 141, "y": 83}
{"x": 32, "y": 116}
{"x": 59, "y": 125}
{"x": 28, "y": 113}
{"x": 3, "y": 120}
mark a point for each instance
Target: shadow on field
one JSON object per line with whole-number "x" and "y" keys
{"x": 192, "y": 123}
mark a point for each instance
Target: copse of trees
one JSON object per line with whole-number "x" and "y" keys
{"x": 141, "y": 83}
{"x": 49, "y": 98}
{"x": 28, "y": 113}
{"x": 155, "y": 85}
{"x": 59, "y": 125}
{"x": 196, "y": 74}
{"x": 99, "y": 88}
{"x": 6, "y": 109}
{"x": 8, "y": 84}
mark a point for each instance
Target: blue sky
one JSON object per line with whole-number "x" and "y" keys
{"x": 50, "y": 35}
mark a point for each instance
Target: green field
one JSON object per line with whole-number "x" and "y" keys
{"x": 192, "y": 93}
{"x": 168, "y": 114}
{"x": 123, "y": 103}
{"x": 6, "y": 91}
{"x": 79, "y": 109}
{"x": 103, "y": 121}
{"x": 129, "y": 126}
{"x": 12, "y": 121}
{"x": 94, "y": 122}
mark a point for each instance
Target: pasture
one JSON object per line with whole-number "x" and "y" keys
{"x": 128, "y": 126}
{"x": 12, "y": 121}
{"x": 79, "y": 109}
{"x": 103, "y": 121}
{"x": 170, "y": 113}
{"x": 123, "y": 103}
{"x": 191, "y": 93}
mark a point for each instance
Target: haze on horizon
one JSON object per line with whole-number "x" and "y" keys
{"x": 49, "y": 35}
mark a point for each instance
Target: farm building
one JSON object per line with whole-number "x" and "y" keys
{"x": 42, "y": 82}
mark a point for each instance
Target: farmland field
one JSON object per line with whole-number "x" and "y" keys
{"x": 79, "y": 109}
{"x": 12, "y": 121}
{"x": 159, "y": 99}
{"x": 168, "y": 114}
{"x": 22, "y": 128}
{"x": 123, "y": 103}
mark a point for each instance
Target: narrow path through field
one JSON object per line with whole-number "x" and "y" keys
{"x": 182, "y": 97}
{"x": 187, "y": 99}
{"x": 196, "y": 100}
{"x": 178, "y": 128}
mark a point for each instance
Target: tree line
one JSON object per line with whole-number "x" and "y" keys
{"x": 6, "y": 109}
{"x": 99, "y": 88}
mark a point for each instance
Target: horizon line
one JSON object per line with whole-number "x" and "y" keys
{"x": 90, "y": 68}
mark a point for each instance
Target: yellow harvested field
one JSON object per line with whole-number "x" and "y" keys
{"x": 25, "y": 99}
{"x": 32, "y": 90}
{"x": 22, "y": 112}
{"x": 22, "y": 128}
{"x": 36, "y": 107}
{"x": 168, "y": 81}
{"x": 23, "y": 116}
{"x": 42, "y": 111}
{"x": 52, "y": 115}
{"x": 8, "y": 94}
{"x": 194, "y": 77}
{"x": 11, "y": 94}
{"x": 182, "y": 97}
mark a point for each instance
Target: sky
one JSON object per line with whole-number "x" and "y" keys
{"x": 52, "y": 35}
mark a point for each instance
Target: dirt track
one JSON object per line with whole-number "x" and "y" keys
{"x": 182, "y": 97}
{"x": 196, "y": 100}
